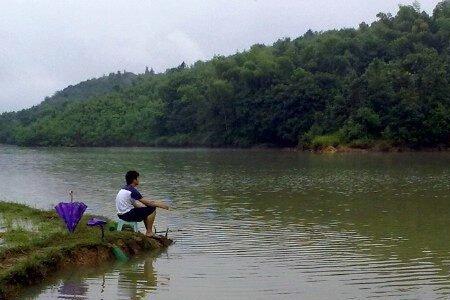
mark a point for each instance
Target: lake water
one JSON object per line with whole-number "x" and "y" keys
{"x": 255, "y": 224}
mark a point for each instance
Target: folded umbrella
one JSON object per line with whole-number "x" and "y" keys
{"x": 71, "y": 212}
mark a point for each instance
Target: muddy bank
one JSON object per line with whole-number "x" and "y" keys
{"x": 376, "y": 149}
{"x": 347, "y": 149}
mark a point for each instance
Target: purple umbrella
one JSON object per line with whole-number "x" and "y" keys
{"x": 71, "y": 212}
{"x": 97, "y": 222}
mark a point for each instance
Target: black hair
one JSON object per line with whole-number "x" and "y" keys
{"x": 130, "y": 176}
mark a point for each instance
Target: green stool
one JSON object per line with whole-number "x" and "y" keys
{"x": 133, "y": 225}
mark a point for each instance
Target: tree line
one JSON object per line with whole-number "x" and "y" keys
{"x": 386, "y": 84}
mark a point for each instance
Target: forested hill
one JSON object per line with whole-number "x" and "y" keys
{"x": 93, "y": 87}
{"x": 82, "y": 91}
{"x": 386, "y": 83}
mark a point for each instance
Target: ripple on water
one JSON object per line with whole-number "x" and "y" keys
{"x": 260, "y": 224}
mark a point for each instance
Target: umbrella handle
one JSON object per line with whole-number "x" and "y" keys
{"x": 71, "y": 196}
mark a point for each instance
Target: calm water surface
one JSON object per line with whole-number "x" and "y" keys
{"x": 256, "y": 224}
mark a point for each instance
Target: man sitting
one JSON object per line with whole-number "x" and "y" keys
{"x": 132, "y": 207}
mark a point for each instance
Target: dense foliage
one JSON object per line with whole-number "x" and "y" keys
{"x": 383, "y": 83}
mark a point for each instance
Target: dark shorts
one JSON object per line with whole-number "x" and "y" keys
{"x": 137, "y": 214}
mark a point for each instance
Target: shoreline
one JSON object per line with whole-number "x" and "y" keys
{"x": 325, "y": 150}
{"x": 28, "y": 262}
{"x": 346, "y": 149}
{"x": 256, "y": 148}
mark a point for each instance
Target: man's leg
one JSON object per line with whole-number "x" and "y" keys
{"x": 148, "y": 222}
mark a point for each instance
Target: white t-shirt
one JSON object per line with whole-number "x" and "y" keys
{"x": 125, "y": 198}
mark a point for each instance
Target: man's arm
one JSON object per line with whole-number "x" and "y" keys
{"x": 138, "y": 203}
{"x": 153, "y": 203}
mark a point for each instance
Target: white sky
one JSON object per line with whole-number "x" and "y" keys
{"x": 47, "y": 45}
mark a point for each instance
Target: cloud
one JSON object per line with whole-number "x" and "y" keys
{"x": 184, "y": 46}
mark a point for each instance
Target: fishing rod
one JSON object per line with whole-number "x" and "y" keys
{"x": 168, "y": 230}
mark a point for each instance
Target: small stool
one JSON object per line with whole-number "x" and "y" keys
{"x": 121, "y": 222}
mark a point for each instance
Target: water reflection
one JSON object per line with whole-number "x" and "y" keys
{"x": 73, "y": 290}
{"x": 136, "y": 279}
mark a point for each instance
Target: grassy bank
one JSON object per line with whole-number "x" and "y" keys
{"x": 35, "y": 243}
{"x": 337, "y": 142}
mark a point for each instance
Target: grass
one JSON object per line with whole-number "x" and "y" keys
{"x": 322, "y": 141}
{"x": 29, "y": 228}
{"x": 36, "y": 242}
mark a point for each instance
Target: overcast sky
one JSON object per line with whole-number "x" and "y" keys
{"x": 47, "y": 45}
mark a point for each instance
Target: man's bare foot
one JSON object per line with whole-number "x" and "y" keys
{"x": 152, "y": 236}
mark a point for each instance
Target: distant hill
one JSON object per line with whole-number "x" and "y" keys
{"x": 82, "y": 91}
{"x": 93, "y": 87}
{"x": 381, "y": 85}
